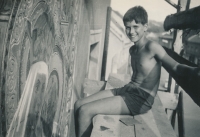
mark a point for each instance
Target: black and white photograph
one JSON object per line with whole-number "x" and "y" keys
{"x": 99, "y": 68}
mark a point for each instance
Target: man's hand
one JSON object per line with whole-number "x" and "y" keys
{"x": 196, "y": 73}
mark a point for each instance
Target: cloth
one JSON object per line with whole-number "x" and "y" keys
{"x": 137, "y": 100}
{"x": 191, "y": 83}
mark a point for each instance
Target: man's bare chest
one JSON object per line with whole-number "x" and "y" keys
{"x": 142, "y": 60}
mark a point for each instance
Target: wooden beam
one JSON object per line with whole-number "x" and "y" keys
{"x": 178, "y": 37}
{"x": 184, "y": 4}
{"x": 181, "y": 122}
{"x": 106, "y": 42}
{"x": 173, "y": 4}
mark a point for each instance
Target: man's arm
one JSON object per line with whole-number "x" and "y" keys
{"x": 170, "y": 63}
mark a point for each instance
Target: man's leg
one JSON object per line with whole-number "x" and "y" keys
{"x": 96, "y": 96}
{"x": 110, "y": 106}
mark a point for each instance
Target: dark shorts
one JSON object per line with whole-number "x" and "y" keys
{"x": 137, "y": 100}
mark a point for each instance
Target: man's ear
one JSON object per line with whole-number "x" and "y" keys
{"x": 145, "y": 26}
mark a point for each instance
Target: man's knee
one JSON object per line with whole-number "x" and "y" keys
{"x": 85, "y": 111}
{"x": 77, "y": 104}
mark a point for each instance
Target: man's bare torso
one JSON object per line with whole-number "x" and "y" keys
{"x": 146, "y": 69}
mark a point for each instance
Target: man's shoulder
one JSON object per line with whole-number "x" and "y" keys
{"x": 151, "y": 45}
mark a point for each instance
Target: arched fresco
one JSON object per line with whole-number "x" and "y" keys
{"x": 43, "y": 31}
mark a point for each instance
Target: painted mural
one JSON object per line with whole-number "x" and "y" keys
{"x": 44, "y": 35}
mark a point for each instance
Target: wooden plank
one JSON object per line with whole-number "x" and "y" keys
{"x": 161, "y": 119}
{"x": 93, "y": 86}
{"x": 105, "y": 52}
{"x": 110, "y": 126}
{"x": 148, "y": 128}
{"x": 154, "y": 123}
{"x": 168, "y": 100}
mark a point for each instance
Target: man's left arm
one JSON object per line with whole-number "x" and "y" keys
{"x": 187, "y": 77}
{"x": 171, "y": 64}
{"x": 187, "y": 70}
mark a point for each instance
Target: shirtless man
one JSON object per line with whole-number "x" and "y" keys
{"x": 137, "y": 97}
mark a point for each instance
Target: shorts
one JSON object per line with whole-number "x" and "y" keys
{"x": 137, "y": 100}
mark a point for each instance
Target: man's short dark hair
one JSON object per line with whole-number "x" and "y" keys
{"x": 136, "y": 13}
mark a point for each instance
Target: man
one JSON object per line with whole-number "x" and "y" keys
{"x": 137, "y": 97}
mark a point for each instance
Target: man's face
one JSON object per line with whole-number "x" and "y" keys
{"x": 135, "y": 31}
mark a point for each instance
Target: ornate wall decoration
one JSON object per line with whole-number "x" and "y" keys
{"x": 43, "y": 31}
{"x": 6, "y": 7}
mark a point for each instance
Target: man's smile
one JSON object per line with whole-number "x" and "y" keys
{"x": 133, "y": 36}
